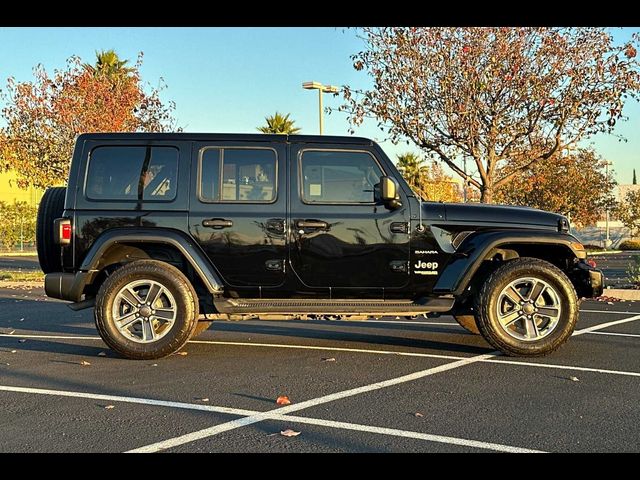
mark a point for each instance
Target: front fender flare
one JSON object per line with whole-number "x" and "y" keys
{"x": 465, "y": 262}
{"x": 183, "y": 243}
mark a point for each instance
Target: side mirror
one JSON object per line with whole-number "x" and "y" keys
{"x": 390, "y": 192}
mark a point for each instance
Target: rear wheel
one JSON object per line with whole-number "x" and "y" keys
{"x": 146, "y": 309}
{"x": 527, "y": 307}
{"x": 51, "y": 207}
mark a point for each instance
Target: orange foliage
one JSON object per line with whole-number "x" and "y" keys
{"x": 43, "y": 117}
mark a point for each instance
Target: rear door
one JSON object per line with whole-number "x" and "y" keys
{"x": 341, "y": 237}
{"x": 238, "y": 211}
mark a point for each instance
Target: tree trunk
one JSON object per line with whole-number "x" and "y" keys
{"x": 486, "y": 194}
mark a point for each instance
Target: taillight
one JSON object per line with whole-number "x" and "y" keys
{"x": 64, "y": 230}
{"x": 592, "y": 263}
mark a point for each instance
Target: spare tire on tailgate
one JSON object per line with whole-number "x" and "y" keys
{"x": 51, "y": 207}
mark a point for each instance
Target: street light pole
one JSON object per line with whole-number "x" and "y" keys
{"x": 321, "y": 89}
{"x": 320, "y": 110}
{"x": 607, "y": 240}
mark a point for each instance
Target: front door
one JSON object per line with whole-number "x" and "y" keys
{"x": 238, "y": 211}
{"x": 341, "y": 236}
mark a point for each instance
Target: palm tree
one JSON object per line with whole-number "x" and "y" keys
{"x": 279, "y": 124}
{"x": 412, "y": 169}
{"x": 108, "y": 63}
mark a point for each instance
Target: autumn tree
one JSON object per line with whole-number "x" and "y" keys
{"x": 280, "y": 124}
{"x": 505, "y": 98}
{"x": 574, "y": 184}
{"x": 428, "y": 180}
{"x": 628, "y": 212}
{"x": 42, "y": 117}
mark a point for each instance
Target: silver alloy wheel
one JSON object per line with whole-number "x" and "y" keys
{"x": 144, "y": 311}
{"x": 528, "y": 309}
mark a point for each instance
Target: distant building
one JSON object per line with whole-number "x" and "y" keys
{"x": 10, "y": 192}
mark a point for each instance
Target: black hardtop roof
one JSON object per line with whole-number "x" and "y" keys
{"x": 221, "y": 137}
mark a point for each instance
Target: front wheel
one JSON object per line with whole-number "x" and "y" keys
{"x": 468, "y": 322}
{"x": 146, "y": 309}
{"x": 527, "y": 307}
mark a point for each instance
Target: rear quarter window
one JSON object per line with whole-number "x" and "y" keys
{"x": 132, "y": 173}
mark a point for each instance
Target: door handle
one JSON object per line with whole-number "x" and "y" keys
{"x": 319, "y": 224}
{"x": 217, "y": 223}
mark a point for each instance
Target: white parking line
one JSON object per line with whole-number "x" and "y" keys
{"x": 51, "y": 337}
{"x": 225, "y": 427}
{"x": 606, "y": 325}
{"x": 417, "y": 354}
{"x": 613, "y": 312}
{"x": 119, "y": 398}
{"x": 241, "y": 422}
{"x": 284, "y": 418}
{"x": 616, "y": 334}
{"x": 327, "y": 348}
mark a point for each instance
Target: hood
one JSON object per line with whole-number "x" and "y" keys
{"x": 479, "y": 213}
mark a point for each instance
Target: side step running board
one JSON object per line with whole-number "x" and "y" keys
{"x": 338, "y": 306}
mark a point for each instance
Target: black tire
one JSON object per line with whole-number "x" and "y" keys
{"x": 498, "y": 336}
{"x": 186, "y": 309}
{"x": 468, "y": 322}
{"x": 51, "y": 207}
{"x": 201, "y": 327}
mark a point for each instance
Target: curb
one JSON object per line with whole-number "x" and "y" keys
{"x": 7, "y": 284}
{"x": 18, "y": 254}
{"x": 622, "y": 293}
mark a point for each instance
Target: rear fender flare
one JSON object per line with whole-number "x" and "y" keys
{"x": 183, "y": 243}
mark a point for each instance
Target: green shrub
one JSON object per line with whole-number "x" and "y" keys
{"x": 593, "y": 248}
{"x": 633, "y": 270}
{"x": 17, "y": 220}
{"x": 630, "y": 245}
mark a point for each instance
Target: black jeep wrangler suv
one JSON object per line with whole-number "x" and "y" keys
{"x": 163, "y": 233}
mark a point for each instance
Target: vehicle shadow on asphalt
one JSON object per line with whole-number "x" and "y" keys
{"x": 44, "y": 317}
{"x": 332, "y": 334}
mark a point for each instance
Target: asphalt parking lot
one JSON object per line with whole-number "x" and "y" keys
{"x": 385, "y": 386}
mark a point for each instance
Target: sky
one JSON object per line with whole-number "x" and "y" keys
{"x": 229, "y": 79}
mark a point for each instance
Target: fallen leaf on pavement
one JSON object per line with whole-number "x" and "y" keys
{"x": 574, "y": 379}
{"x": 418, "y": 414}
{"x": 283, "y": 400}
{"x": 154, "y": 364}
{"x": 84, "y": 363}
{"x": 329, "y": 359}
{"x": 108, "y": 407}
{"x": 289, "y": 433}
{"x": 14, "y": 351}
{"x": 102, "y": 354}
{"x": 182, "y": 354}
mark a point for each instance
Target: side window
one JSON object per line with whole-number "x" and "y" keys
{"x": 132, "y": 173}
{"x": 339, "y": 176}
{"x": 238, "y": 175}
